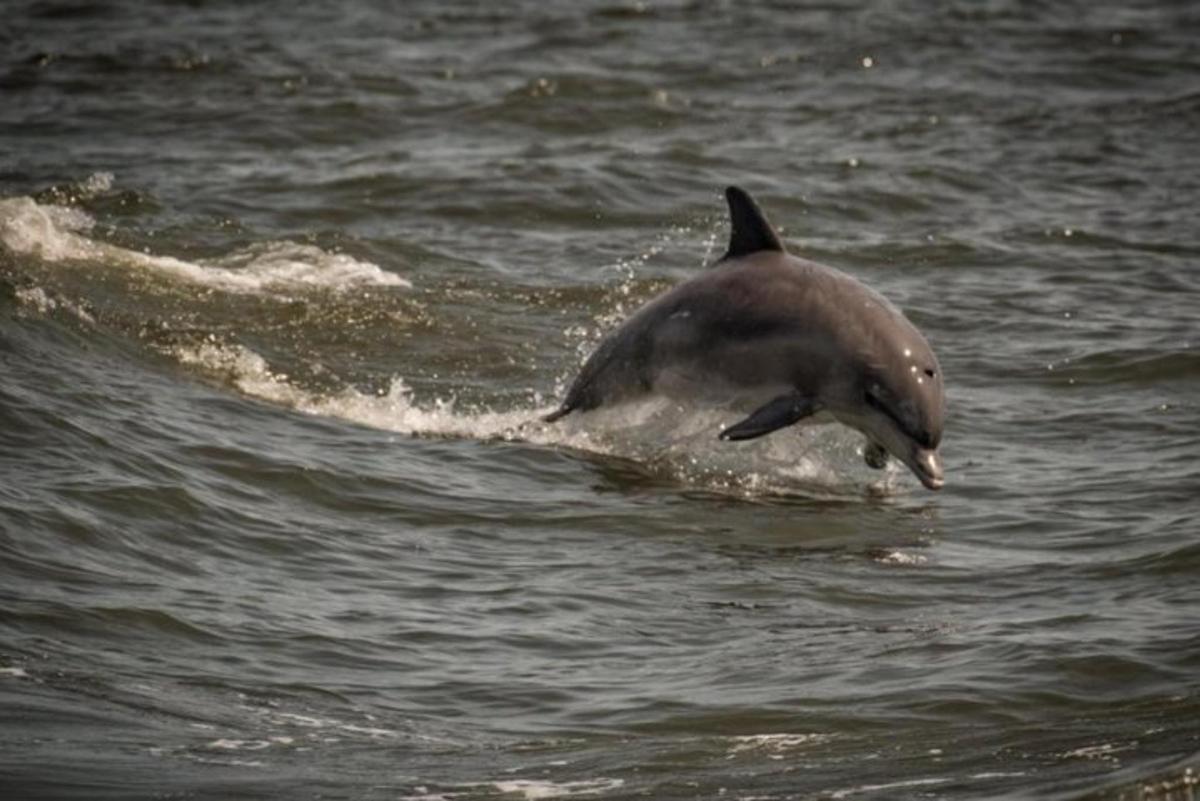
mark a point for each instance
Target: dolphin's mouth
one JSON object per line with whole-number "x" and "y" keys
{"x": 927, "y": 467}
{"x": 916, "y": 452}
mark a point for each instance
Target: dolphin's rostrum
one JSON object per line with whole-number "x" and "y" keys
{"x": 785, "y": 337}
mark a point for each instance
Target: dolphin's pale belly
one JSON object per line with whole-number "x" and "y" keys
{"x": 712, "y": 389}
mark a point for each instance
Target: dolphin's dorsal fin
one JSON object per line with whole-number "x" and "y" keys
{"x": 750, "y": 231}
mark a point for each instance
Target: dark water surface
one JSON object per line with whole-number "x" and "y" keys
{"x": 283, "y": 291}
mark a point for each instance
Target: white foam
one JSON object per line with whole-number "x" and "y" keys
{"x": 302, "y": 720}
{"x": 370, "y": 731}
{"x": 36, "y": 298}
{"x": 316, "y": 723}
{"x": 14, "y": 672}
{"x": 774, "y": 744}
{"x": 532, "y": 789}
{"x": 872, "y": 788}
{"x": 57, "y": 234}
{"x": 239, "y": 745}
{"x": 1103, "y": 751}
{"x": 47, "y": 232}
{"x": 95, "y": 184}
{"x": 241, "y": 763}
{"x": 392, "y": 411}
{"x": 423, "y": 794}
{"x": 895, "y": 556}
{"x": 287, "y": 264}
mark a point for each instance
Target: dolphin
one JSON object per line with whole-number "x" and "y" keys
{"x": 782, "y": 337}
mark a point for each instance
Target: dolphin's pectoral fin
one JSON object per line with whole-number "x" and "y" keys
{"x": 774, "y": 415}
{"x": 875, "y": 455}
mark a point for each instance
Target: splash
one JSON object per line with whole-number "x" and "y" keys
{"x": 666, "y": 437}
{"x": 36, "y": 298}
{"x": 54, "y": 234}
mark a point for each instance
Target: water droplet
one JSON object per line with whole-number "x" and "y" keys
{"x": 868, "y": 62}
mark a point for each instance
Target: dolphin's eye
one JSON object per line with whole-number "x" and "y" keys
{"x": 930, "y": 372}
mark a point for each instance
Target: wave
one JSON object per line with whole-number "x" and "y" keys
{"x": 662, "y": 435}
{"x": 54, "y": 233}
{"x": 1178, "y": 362}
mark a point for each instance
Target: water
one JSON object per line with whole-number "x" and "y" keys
{"x": 283, "y": 291}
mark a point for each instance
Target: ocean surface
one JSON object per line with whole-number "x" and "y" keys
{"x": 284, "y": 289}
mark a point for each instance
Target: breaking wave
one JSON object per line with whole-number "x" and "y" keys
{"x": 54, "y": 233}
